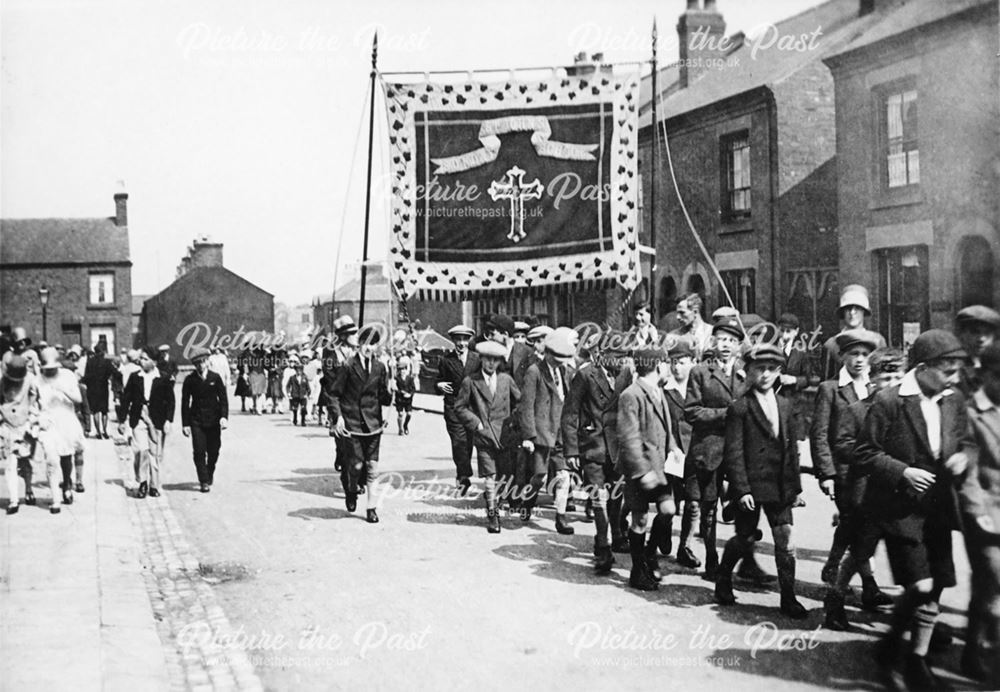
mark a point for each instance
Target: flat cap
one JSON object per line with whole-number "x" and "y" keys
{"x": 681, "y": 349}
{"x": 978, "y": 313}
{"x": 934, "y": 344}
{"x": 461, "y": 330}
{"x": 501, "y": 323}
{"x": 491, "y": 349}
{"x": 539, "y": 332}
{"x": 788, "y": 319}
{"x": 560, "y": 344}
{"x": 764, "y": 353}
{"x": 522, "y": 327}
{"x": 164, "y": 347}
{"x": 728, "y": 325}
{"x": 725, "y": 311}
{"x": 853, "y": 337}
{"x": 199, "y": 353}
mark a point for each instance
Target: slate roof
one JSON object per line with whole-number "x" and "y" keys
{"x": 50, "y": 241}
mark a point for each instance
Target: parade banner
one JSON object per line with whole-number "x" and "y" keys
{"x": 513, "y": 185}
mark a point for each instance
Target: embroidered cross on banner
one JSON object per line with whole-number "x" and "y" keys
{"x": 515, "y": 190}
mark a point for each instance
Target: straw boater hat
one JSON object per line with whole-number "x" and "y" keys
{"x": 344, "y": 325}
{"x": 50, "y": 359}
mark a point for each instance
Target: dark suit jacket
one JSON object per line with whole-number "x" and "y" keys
{"x": 521, "y": 358}
{"x": 830, "y": 405}
{"x": 204, "y": 402}
{"x": 757, "y": 462}
{"x": 358, "y": 396}
{"x": 451, "y": 370}
{"x": 643, "y": 425}
{"x": 709, "y": 395}
{"x": 682, "y": 429}
{"x": 831, "y": 356}
{"x": 540, "y": 410}
{"x": 162, "y": 402}
{"x": 980, "y": 490}
{"x": 893, "y": 438}
{"x": 475, "y": 405}
{"x": 585, "y": 414}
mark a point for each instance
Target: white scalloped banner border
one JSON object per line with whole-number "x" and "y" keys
{"x": 464, "y": 279}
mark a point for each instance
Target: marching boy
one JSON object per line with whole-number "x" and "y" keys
{"x": 485, "y": 404}
{"x": 761, "y": 462}
{"x": 297, "y": 390}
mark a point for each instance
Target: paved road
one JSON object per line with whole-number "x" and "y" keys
{"x": 427, "y": 599}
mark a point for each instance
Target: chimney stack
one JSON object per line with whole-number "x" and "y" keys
{"x": 701, "y": 35}
{"x": 205, "y": 253}
{"x": 121, "y": 209}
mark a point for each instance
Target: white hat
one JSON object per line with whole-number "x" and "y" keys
{"x": 855, "y": 294}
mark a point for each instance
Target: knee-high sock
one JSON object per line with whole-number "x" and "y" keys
{"x": 600, "y": 505}
{"x": 902, "y": 614}
{"x": 659, "y": 531}
{"x": 923, "y": 627}
{"x": 688, "y": 521}
{"x": 490, "y": 492}
{"x": 78, "y": 463}
{"x": 562, "y": 491}
{"x": 845, "y": 572}
{"x": 66, "y": 464}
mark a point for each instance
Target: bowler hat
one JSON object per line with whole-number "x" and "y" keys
{"x": 764, "y": 353}
{"x": 978, "y": 313}
{"x": 855, "y": 294}
{"x": 935, "y": 344}
{"x": 728, "y": 325}
{"x": 502, "y": 323}
{"x": 461, "y": 330}
{"x": 854, "y": 337}
{"x": 491, "y": 349}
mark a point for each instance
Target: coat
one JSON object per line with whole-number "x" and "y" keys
{"x": 894, "y": 438}
{"x": 709, "y": 394}
{"x": 644, "y": 432}
{"x": 756, "y": 462}
{"x": 358, "y": 396}
{"x": 521, "y": 358}
{"x": 476, "y": 406}
{"x": 831, "y": 356}
{"x": 452, "y": 371}
{"x": 585, "y": 415}
{"x": 829, "y": 406}
{"x": 203, "y": 400}
{"x": 675, "y": 404}
{"x": 540, "y": 411}
{"x": 980, "y": 489}
{"x": 297, "y": 387}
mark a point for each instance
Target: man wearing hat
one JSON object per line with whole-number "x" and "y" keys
{"x": 546, "y": 385}
{"x": 500, "y": 328}
{"x": 297, "y": 391}
{"x": 713, "y": 386}
{"x": 833, "y": 398}
{"x": 976, "y": 327}
{"x": 204, "y": 415}
{"x": 485, "y": 404}
{"x": 453, "y": 367}
{"x": 854, "y": 308}
{"x": 797, "y": 373}
{"x": 682, "y": 361}
{"x": 913, "y": 445}
{"x": 521, "y": 331}
{"x": 646, "y": 436}
{"x": 334, "y": 357}
{"x": 762, "y": 467}
{"x": 19, "y": 429}
{"x": 360, "y": 390}
{"x": 536, "y": 339}
{"x": 589, "y": 440}
{"x": 166, "y": 364}
{"x": 980, "y": 500}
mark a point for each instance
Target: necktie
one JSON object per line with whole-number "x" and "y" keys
{"x": 557, "y": 376}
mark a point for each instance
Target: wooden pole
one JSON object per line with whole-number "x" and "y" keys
{"x": 654, "y": 161}
{"x": 368, "y": 184}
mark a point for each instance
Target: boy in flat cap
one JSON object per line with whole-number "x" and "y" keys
{"x": 360, "y": 389}
{"x": 204, "y": 415}
{"x": 976, "y": 327}
{"x": 485, "y": 404}
{"x": 646, "y": 435}
{"x": 546, "y": 385}
{"x": 762, "y": 466}
{"x": 912, "y": 445}
{"x": 453, "y": 367}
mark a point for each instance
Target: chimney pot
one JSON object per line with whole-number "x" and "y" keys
{"x": 121, "y": 209}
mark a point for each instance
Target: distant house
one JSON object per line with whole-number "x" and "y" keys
{"x": 137, "y": 303}
{"x": 919, "y": 219}
{"x": 294, "y": 321}
{"x": 205, "y": 298}
{"x": 85, "y": 266}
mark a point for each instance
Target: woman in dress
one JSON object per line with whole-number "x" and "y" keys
{"x": 242, "y": 383}
{"x": 61, "y": 434}
{"x": 258, "y": 378}
{"x": 97, "y": 378}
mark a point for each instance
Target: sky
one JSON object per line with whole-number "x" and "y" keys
{"x": 239, "y": 119}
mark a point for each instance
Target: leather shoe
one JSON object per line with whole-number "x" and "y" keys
{"x": 372, "y": 516}
{"x": 463, "y": 486}
{"x": 55, "y": 509}
{"x": 874, "y": 599}
{"x": 751, "y": 571}
{"x": 791, "y": 607}
{"x": 653, "y": 567}
{"x": 67, "y": 496}
{"x": 639, "y": 579}
{"x": 724, "y": 591}
{"x": 919, "y": 676}
{"x": 12, "y": 509}
{"x": 29, "y": 498}
{"x": 836, "y": 616}
{"x": 686, "y": 558}
{"x": 204, "y": 487}
{"x": 604, "y": 560}
{"x": 563, "y": 527}
{"x": 352, "y": 502}
{"x": 153, "y": 492}
{"x": 492, "y": 521}
{"x": 143, "y": 490}
{"x": 79, "y": 487}
{"x": 828, "y": 575}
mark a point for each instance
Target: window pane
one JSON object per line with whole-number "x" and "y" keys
{"x": 894, "y": 116}
{"x": 914, "y": 161}
{"x": 897, "y": 169}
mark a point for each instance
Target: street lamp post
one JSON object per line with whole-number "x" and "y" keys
{"x": 43, "y": 296}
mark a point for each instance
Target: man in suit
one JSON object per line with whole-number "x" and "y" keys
{"x": 976, "y": 326}
{"x": 762, "y": 467}
{"x": 485, "y": 404}
{"x": 546, "y": 385}
{"x": 832, "y": 401}
{"x": 454, "y": 367}
{"x": 360, "y": 389}
{"x": 980, "y": 502}
{"x": 912, "y": 445}
{"x": 204, "y": 415}
{"x": 711, "y": 389}
{"x": 147, "y": 403}
{"x": 645, "y": 437}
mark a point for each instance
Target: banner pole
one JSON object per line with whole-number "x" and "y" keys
{"x": 368, "y": 184}
{"x": 654, "y": 161}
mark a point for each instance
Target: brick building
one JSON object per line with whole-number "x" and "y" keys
{"x": 85, "y": 266}
{"x": 204, "y": 293}
{"x": 918, "y": 204}
{"x": 752, "y": 134}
